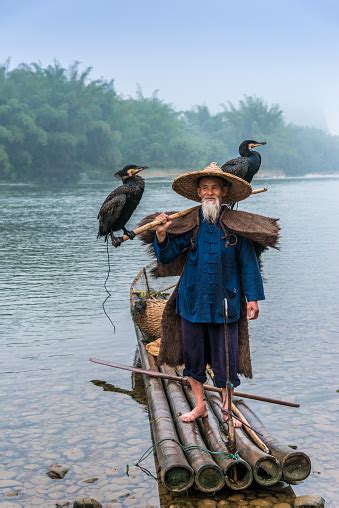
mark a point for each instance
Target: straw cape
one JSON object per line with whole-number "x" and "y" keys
{"x": 187, "y": 184}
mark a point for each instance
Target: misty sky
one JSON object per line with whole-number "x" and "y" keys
{"x": 193, "y": 52}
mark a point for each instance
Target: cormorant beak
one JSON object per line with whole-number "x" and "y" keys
{"x": 138, "y": 169}
{"x": 253, "y": 145}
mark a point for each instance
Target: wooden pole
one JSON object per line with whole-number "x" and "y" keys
{"x": 248, "y": 429}
{"x": 184, "y": 380}
{"x": 257, "y": 191}
{"x": 155, "y": 223}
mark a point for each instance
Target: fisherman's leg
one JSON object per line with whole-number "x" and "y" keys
{"x": 195, "y": 366}
{"x": 218, "y": 360}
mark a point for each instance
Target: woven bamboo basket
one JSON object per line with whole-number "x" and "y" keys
{"x": 149, "y": 319}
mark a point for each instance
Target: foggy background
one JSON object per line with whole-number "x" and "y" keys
{"x": 283, "y": 51}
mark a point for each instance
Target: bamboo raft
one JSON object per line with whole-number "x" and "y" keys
{"x": 196, "y": 453}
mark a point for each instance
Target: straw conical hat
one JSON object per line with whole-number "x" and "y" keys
{"x": 187, "y": 184}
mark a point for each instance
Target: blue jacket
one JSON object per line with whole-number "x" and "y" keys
{"x": 211, "y": 273}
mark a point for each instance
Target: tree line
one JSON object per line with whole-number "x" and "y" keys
{"x": 57, "y": 123}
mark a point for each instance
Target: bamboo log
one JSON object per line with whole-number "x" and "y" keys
{"x": 210, "y": 429}
{"x": 296, "y": 466}
{"x": 266, "y": 469}
{"x": 175, "y": 472}
{"x": 208, "y": 475}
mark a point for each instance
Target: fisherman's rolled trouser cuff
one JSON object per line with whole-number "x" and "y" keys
{"x": 204, "y": 343}
{"x": 202, "y": 378}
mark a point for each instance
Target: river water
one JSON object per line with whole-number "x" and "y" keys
{"x": 57, "y": 407}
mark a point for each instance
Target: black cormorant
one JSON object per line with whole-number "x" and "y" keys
{"x": 248, "y": 164}
{"x": 119, "y": 205}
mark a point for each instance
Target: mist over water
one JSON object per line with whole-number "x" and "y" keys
{"x": 52, "y": 287}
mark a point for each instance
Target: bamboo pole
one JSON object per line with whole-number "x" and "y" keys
{"x": 296, "y": 465}
{"x": 208, "y": 475}
{"x": 258, "y": 191}
{"x": 266, "y": 469}
{"x": 175, "y": 472}
{"x": 155, "y": 223}
{"x": 210, "y": 430}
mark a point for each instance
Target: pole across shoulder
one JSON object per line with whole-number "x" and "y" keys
{"x": 182, "y": 213}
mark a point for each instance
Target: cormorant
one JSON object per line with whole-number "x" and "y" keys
{"x": 119, "y": 205}
{"x": 248, "y": 164}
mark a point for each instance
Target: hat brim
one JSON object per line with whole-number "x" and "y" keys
{"x": 187, "y": 186}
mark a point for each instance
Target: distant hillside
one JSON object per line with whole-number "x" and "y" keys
{"x": 56, "y": 124}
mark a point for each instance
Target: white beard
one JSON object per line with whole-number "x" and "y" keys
{"x": 210, "y": 210}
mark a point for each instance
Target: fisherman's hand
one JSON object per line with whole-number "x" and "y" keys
{"x": 163, "y": 227}
{"x": 252, "y": 310}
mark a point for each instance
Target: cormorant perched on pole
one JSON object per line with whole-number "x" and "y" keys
{"x": 119, "y": 205}
{"x": 248, "y": 164}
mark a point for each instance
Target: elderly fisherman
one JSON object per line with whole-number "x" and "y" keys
{"x": 218, "y": 260}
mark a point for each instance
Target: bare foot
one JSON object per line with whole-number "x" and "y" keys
{"x": 236, "y": 423}
{"x": 194, "y": 414}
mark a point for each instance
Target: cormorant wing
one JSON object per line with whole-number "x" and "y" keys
{"x": 238, "y": 167}
{"x": 110, "y": 211}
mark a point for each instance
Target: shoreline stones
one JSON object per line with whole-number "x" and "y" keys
{"x": 86, "y": 502}
{"x": 309, "y": 502}
{"x": 57, "y": 471}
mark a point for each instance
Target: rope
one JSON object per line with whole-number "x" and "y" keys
{"x": 234, "y": 456}
{"x": 105, "y": 286}
{"x": 146, "y": 454}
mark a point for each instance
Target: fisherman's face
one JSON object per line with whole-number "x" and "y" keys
{"x": 211, "y": 189}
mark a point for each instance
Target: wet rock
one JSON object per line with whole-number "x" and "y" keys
{"x": 57, "y": 471}
{"x": 236, "y": 497}
{"x": 260, "y": 503}
{"x": 207, "y": 503}
{"x": 12, "y": 493}
{"x": 30, "y": 467}
{"x": 86, "y": 502}
{"x": 10, "y": 505}
{"x": 40, "y": 480}
{"x": 6, "y": 475}
{"x": 9, "y": 483}
{"x": 309, "y": 502}
{"x": 283, "y": 505}
{"x": 72, "y": 489}
{"x": 74, "y": 454}
{"x": 63, "y": 504}
{"x": 90, "y": 480}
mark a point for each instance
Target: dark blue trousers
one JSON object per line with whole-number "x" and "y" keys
{"x": 205, "y": 343}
